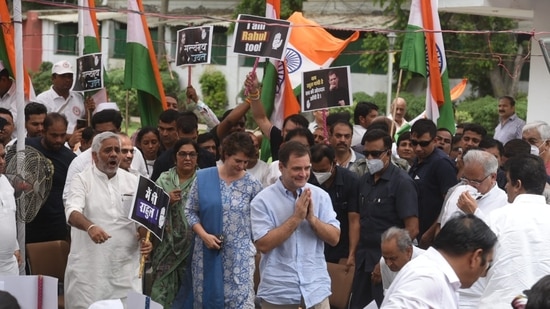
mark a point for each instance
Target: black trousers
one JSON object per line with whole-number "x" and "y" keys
{"x": 363, "y": 291}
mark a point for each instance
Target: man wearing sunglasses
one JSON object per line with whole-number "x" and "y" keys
{"x": 387, "y": 197}
{"x": 434, "y": 173}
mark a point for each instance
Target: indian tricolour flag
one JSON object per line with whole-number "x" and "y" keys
{"x": 424, "y": 53}
{"x": 311, "y": 47}
{"x": 141, "y": 70}
{"x": 91, "y": 39}
{"x": 277, "y": 95}
{"x": 89, "y": 28}
{"x": 7, "y": 50}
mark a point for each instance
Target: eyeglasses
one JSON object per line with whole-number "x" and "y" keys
{"x": 126, "y": 151}
{"x": 474, "y": 183}
{"x": 374, "y": 153}
{"x": 185, "y": 154}
{"x": 415, "y": 142}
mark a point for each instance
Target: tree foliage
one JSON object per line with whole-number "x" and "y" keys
{"x": 213, "y": 88}
{"x": 42, "y": 81}
{"x": 487, "y": 57}
{"x": 257, "y": 7}
{"x": 483, "y": 111}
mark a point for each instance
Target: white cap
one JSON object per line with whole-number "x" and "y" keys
{"x": 62, "y": 67}
{"x": 106, "y": 105}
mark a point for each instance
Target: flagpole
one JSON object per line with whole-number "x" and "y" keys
{"x": 80, "y": 28}
{"x": 391, "y": 42}
{"x": 19, "y": 76}
{"x": 396, "y": 96}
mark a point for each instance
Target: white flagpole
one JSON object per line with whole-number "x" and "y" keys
{"x": 80, "y": 28}
{"x": 20, "y": 81}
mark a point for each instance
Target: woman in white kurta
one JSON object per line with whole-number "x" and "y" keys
{"x": 105, "y": 268}
{"x": 8, "y": 229}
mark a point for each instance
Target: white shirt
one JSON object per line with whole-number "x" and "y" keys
{"x": 352, "y": 158}
{"x": 494, "y": 199}
{"x": 8, "y": 229}
{"x": 358, "y": 132}
{"x": 522, "y": 253}
{"x": 260, "y": 171}
{"x": 428, "y": 281}
{"x": 388, "y": 275}
{"x": 274, "y": 173}
{"x": 73, "y": 107}
{"x": 80, "y": 163}
{"x": 109, "y": 270}
{"x": 397, "y": 125}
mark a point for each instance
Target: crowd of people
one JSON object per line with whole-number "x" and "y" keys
{"x": 425, "y": 218}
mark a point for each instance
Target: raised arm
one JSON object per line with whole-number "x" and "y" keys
{"x": 258, "y": 112}
{"x": 224, "y": 128}
{"x": 199, "y": 108}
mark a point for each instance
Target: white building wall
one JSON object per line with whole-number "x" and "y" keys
{"x": 539, "y": 76}
{"x": 234, "y": 71}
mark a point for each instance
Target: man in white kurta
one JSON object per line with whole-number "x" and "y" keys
{"x": 522, "y": 255}
{"x": 8, "y": 228}
{"x": 428, "y": 281}
{"x": 388, "y": 275}
{"x": 105, "y": 250}
{"x": 461, "y": 253}
{"x": 480, "y": 195}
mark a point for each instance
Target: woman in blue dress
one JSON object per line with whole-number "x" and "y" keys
{"x": 218, "y": 210}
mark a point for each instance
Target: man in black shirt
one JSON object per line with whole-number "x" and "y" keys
{"x": 50, "y": 223}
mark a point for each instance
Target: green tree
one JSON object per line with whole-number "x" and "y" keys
{"x": 213, "y": 88}
{"x": 117, "y": 93}
{"x": 257, "y": 7}
{"x": 485, "y": 59}
{"x": 42, "y": 79}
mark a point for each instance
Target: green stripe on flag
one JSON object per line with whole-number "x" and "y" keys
{"x": 413, "y": 55}
{"x": 138, "y": 74}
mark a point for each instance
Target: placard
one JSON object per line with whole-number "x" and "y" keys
{"x": 26, "y": 290}
{"x": 89, "y": 73}
{"x": 261, "y": 37}
{"x": 326, "y": 88}
{"x": 194, "y": 45}
{"x": 150, "y": 206}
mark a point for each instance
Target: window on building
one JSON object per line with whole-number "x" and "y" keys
{"x": 67, "y": 39}
{"x": 219, "y": 46}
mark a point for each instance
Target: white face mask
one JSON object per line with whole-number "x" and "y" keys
{"x": 534, "y": 150}
{"x": 375, "y": 165}
{"x": 322, "y": 177}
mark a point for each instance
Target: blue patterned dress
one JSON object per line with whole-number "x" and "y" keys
{"x": 238, "y": 249}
